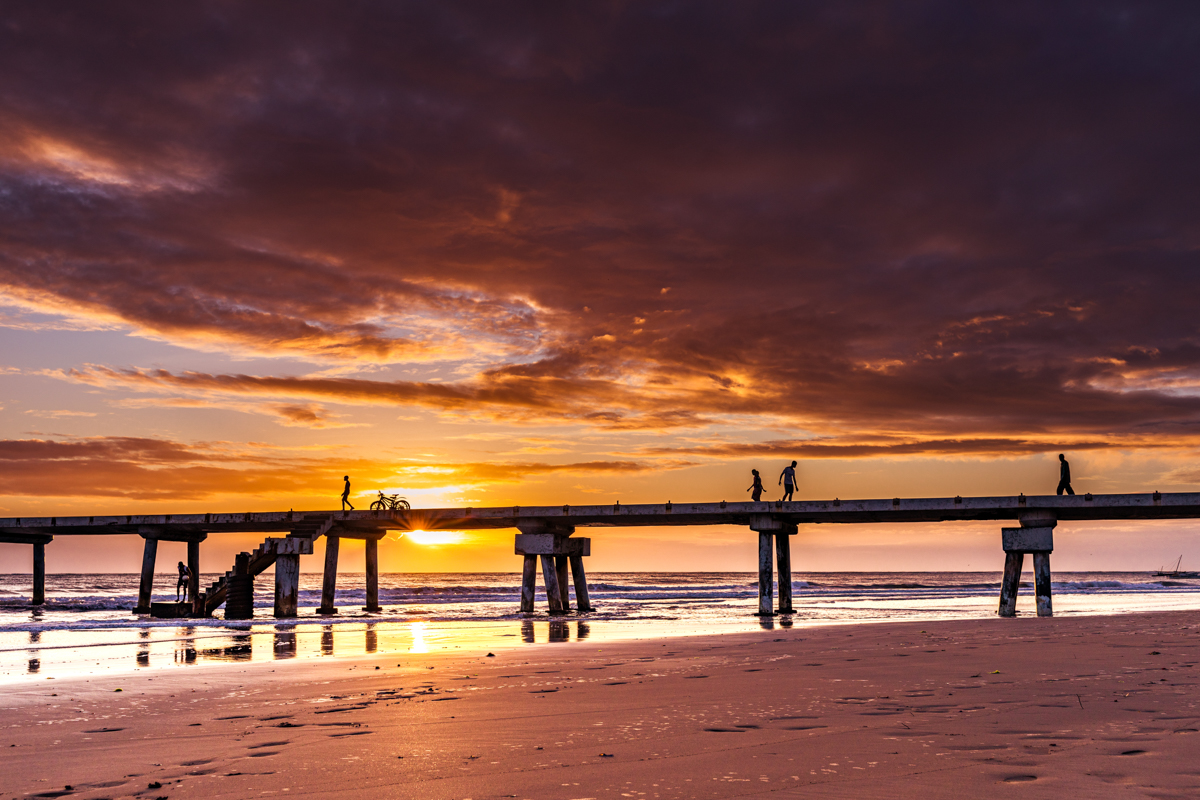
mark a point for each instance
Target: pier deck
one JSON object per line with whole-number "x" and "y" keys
{"x": 1182, "y": 505}
{"x": 546, "y": 534}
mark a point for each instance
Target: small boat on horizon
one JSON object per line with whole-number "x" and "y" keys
{"x": 1176, "y": 573}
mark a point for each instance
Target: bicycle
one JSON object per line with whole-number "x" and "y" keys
{"x": 390, "y": 502}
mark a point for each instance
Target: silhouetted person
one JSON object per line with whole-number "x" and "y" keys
{"x": 346, "y": 494}
{"x": 788, "y": 479}
{"x": 185, "y": 581}
{"x": 756, "y": 489}
{"x": 1064, "y": 475}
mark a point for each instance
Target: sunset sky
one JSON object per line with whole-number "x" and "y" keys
{"x": 492, "y": 254}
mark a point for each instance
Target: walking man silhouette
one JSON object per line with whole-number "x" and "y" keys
{"x": 756, "y": 488}
{"x": 788, "y": 479}
{"x": 1064, "y": 475}
{"x": 346, "y": 494}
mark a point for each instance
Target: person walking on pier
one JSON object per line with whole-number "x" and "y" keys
{"x": 346, "y": 494}
{"x": 185, "y": 581}
{"x": 1064, "y": 475}
{"x": 756, "y": 488}
{"x": 788, "y": 479}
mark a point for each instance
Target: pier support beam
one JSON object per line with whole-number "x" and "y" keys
{"x": 39, "y": 575}
{"x": 528, "y": 584}
{"x": 1011, "y": 583}
{"x": 770, "y": 527}
{"x": 329, "y": 584}
{"x": 146, "y": 587}
{"x": 553, "y": 593}
{"x": 582, "y": 601}
{"x": 287, "y": 584}
{"x": 559, "y": 554}
{"x": 766, "y": 580}
{"x": 564, "y": 584}
{"x": 372, "y": 566}
{"x": 1035, "y": 537}
{"x": 783, "y": 564}
{"x": 1041, "y": 583}
{"x": 194, "y": 566}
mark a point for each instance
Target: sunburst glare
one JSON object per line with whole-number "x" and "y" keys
{"x": 435, "y": 537}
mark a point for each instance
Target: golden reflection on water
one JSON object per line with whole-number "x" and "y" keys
{"x": 418, "y": 638}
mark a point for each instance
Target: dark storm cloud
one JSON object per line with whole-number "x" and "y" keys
{"x": 936, "y": 218}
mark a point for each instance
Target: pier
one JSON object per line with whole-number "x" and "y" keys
{"x": 546, "y": 534}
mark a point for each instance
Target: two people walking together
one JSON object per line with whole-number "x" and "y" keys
{"x": 787, "y": 478}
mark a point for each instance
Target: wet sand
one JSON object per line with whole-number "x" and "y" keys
{"x": 1092, "y": 707}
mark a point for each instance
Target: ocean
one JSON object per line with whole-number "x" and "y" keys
{"x": 86, "y": 625}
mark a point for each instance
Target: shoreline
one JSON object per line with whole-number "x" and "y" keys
{"x": 141, "y": 645}
{"x": 1064, "y": 706}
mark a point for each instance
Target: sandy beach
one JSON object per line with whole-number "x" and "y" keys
{"x": 1064, "y": 707}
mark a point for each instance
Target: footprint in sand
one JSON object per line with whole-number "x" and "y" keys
{"x": 257, "y": 746}
{"x": 1019, "y": 778}
{"x": 199, "y": 763}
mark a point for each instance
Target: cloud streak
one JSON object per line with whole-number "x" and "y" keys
{"x": 148, "y": 469}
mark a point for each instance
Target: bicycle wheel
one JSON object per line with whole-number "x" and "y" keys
{"x": 402, "y": 504}
{"x": 377, "y": 505}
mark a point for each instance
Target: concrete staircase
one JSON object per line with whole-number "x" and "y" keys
{"x": 298, "y": 542}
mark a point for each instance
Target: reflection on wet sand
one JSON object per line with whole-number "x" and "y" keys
{"x": 327, "y": 640}
{"x": 161, "y": 646}
{"x": 285, "y": 642}
{"x": 143, "y": 651}
{"x": 241, "y": 650}
{"x": 35, "y": 663}
{"x": 557, "y": 630}
{"x": 560, "y": 630}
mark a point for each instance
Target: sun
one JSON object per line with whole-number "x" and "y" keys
{"x": 434, "y": 537}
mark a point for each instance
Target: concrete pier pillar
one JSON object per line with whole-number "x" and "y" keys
{"x": 1010, "y": 584}
{"x": 329, "y": 584}
{"x": 783, "y": 559}
{"x": 1036, "y": 537}
{"x": 550, "y": 576}
{"x": 529, "y": 584}
{"x": 372, "y": 566}
{"x": 1041, "y": 583}
{"x": 770, "y": 527}
{"x": 39, "y": 575}
{"x": 287, "y": 584}
{"x": 582, "y": 601}
{"x": 552, "y": 543}
{"x": 765, "y": 578}
{"x": 564, "y": 583}
{"x": 193, "y": 555}
{"x": 146, "y": 587}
